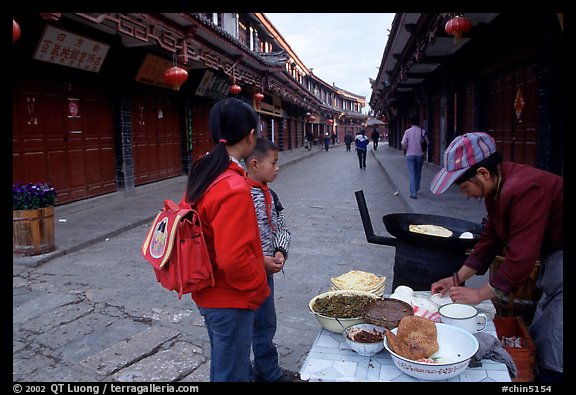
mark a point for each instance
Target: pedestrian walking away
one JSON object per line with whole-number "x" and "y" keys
{"x": 327, "y": 141}
{"x": 361, "y": 142}
{"x": 412, "y": 146}
{"x": 309, "y": 140}
{"x": 262, "y": 169}
{"x": 227, "y": 210}
{"x": 375, "y": 138}
{"x": 348, "y": 139}
{"x": 525, "y": 208}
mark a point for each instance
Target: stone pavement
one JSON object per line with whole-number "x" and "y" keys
{"x": 91, "y": 311}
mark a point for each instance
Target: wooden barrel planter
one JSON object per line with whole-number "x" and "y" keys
{"x": 33, "y": 231}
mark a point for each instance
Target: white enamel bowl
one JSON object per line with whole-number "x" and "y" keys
{"x": 337, "y": 325}
{"x": 456, "y": 348}
{"x": 365, "y": 349}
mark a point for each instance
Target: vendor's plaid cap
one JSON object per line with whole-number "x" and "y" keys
{"x": 464, "y": 151}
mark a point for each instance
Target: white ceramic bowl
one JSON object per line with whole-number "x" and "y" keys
{"x": 365, "y": 349}
{"x": 456, "y": 347}
{"x": 337, "y": 325}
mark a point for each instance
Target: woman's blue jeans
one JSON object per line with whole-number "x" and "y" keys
{"x": 230, "y": 332}
{"x": 415, "y": 163}
{"x": 266, "y": 366}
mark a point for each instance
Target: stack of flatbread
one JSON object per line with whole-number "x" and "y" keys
{"x": 358, "y": 280}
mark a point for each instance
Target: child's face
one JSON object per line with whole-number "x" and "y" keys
{"x": 266, "y": 169}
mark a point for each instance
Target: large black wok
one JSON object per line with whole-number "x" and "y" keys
{"x": 397, "y": 225}
{"x": 421, "y": 259}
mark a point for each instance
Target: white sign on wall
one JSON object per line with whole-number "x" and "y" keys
{"x": 68, "y": 49}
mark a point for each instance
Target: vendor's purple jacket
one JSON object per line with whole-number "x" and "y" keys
{"x": 527, "y": 217}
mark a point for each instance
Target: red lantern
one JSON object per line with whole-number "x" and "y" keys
{"x": 175, "y": 76}
{"x": 258, "y": 97}
{"x": 311, "y": 118}
{"x": 330, "y": 122}
{"x": 235, "y": 89}
{"x": 15, "y": 31}
{"x": 457, "y": 26}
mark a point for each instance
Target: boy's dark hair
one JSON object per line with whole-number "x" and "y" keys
{"x": 414, "y": 119}
{"x": 263, "y": 146}
{"x": 231, "y": 120}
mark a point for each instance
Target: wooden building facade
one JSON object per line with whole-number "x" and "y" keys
{"x": 505, "y": 76}
{"x": 92, "y": 113}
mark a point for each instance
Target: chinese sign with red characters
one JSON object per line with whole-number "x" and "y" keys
{"x": 69, "y": 49}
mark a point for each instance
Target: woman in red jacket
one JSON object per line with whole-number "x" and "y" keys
{"x": 231, "y": 231}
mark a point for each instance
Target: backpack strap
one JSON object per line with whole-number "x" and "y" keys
{"x": 277, "y": 203}
{"x": 221, "y": 176}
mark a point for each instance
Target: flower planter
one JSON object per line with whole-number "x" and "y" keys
{"x": 33, "y": 231}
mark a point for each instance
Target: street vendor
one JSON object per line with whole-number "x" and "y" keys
{"x": 525, "y": 210}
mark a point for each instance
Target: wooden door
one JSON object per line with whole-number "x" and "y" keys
{"x": 63, "y": 134}
{"x": 155, "y": 139}
{"x": 201, "y": 135}
{"x": 511, "y": 112}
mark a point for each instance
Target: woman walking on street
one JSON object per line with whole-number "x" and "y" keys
{"x": 411, "y": 144}
{"x": 230, "y": 227}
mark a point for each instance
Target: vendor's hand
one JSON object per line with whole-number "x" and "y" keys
{"x": 465, "y": 295}
{"x": 442, "y": 286}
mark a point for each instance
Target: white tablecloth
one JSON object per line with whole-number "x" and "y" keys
{"x": 330, "y": 359}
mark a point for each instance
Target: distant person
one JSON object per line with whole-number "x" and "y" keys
{"x": 375, "y": 138}
{"x": 348, "y": 139}
{"x": 411, "y": 144}
{"x": 326, "y": 141}
{"x": 361, "y": 142}
{"x": 262, "y": 168}
{"x": 230, "y": 229}
{"x": 309, "y": 140}
{"x": 333, "y": 137}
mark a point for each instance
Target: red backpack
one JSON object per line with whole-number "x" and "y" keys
{"x": 176, "y": 249}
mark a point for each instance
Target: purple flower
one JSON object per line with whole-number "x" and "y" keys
{"x": 32, "y": 196}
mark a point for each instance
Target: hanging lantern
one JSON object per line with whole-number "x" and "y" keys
{"x": 15, "y": 31}
{"x": 330, "y": 122}
{"x": 175, "y": 76}
{"x": 311, "y": 118}
{"x": 258, "y": 97}
{"x": 457, "y": 26}
{"x": 235, "y": 89}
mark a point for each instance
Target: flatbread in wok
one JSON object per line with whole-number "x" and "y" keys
{"x": 430, "y": 230}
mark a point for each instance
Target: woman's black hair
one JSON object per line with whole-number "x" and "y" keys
{"x": 490, "y": 163}
{"x": 231, "y": 120}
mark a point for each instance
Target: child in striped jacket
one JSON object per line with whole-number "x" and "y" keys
{"x": 262, "y": 168}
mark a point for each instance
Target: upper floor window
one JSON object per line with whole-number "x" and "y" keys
{"x": 243, "y": 32}
{"x": 230, "y": 23}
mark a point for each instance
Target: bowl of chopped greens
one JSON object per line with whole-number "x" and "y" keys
{"x": 338, "y": 310}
